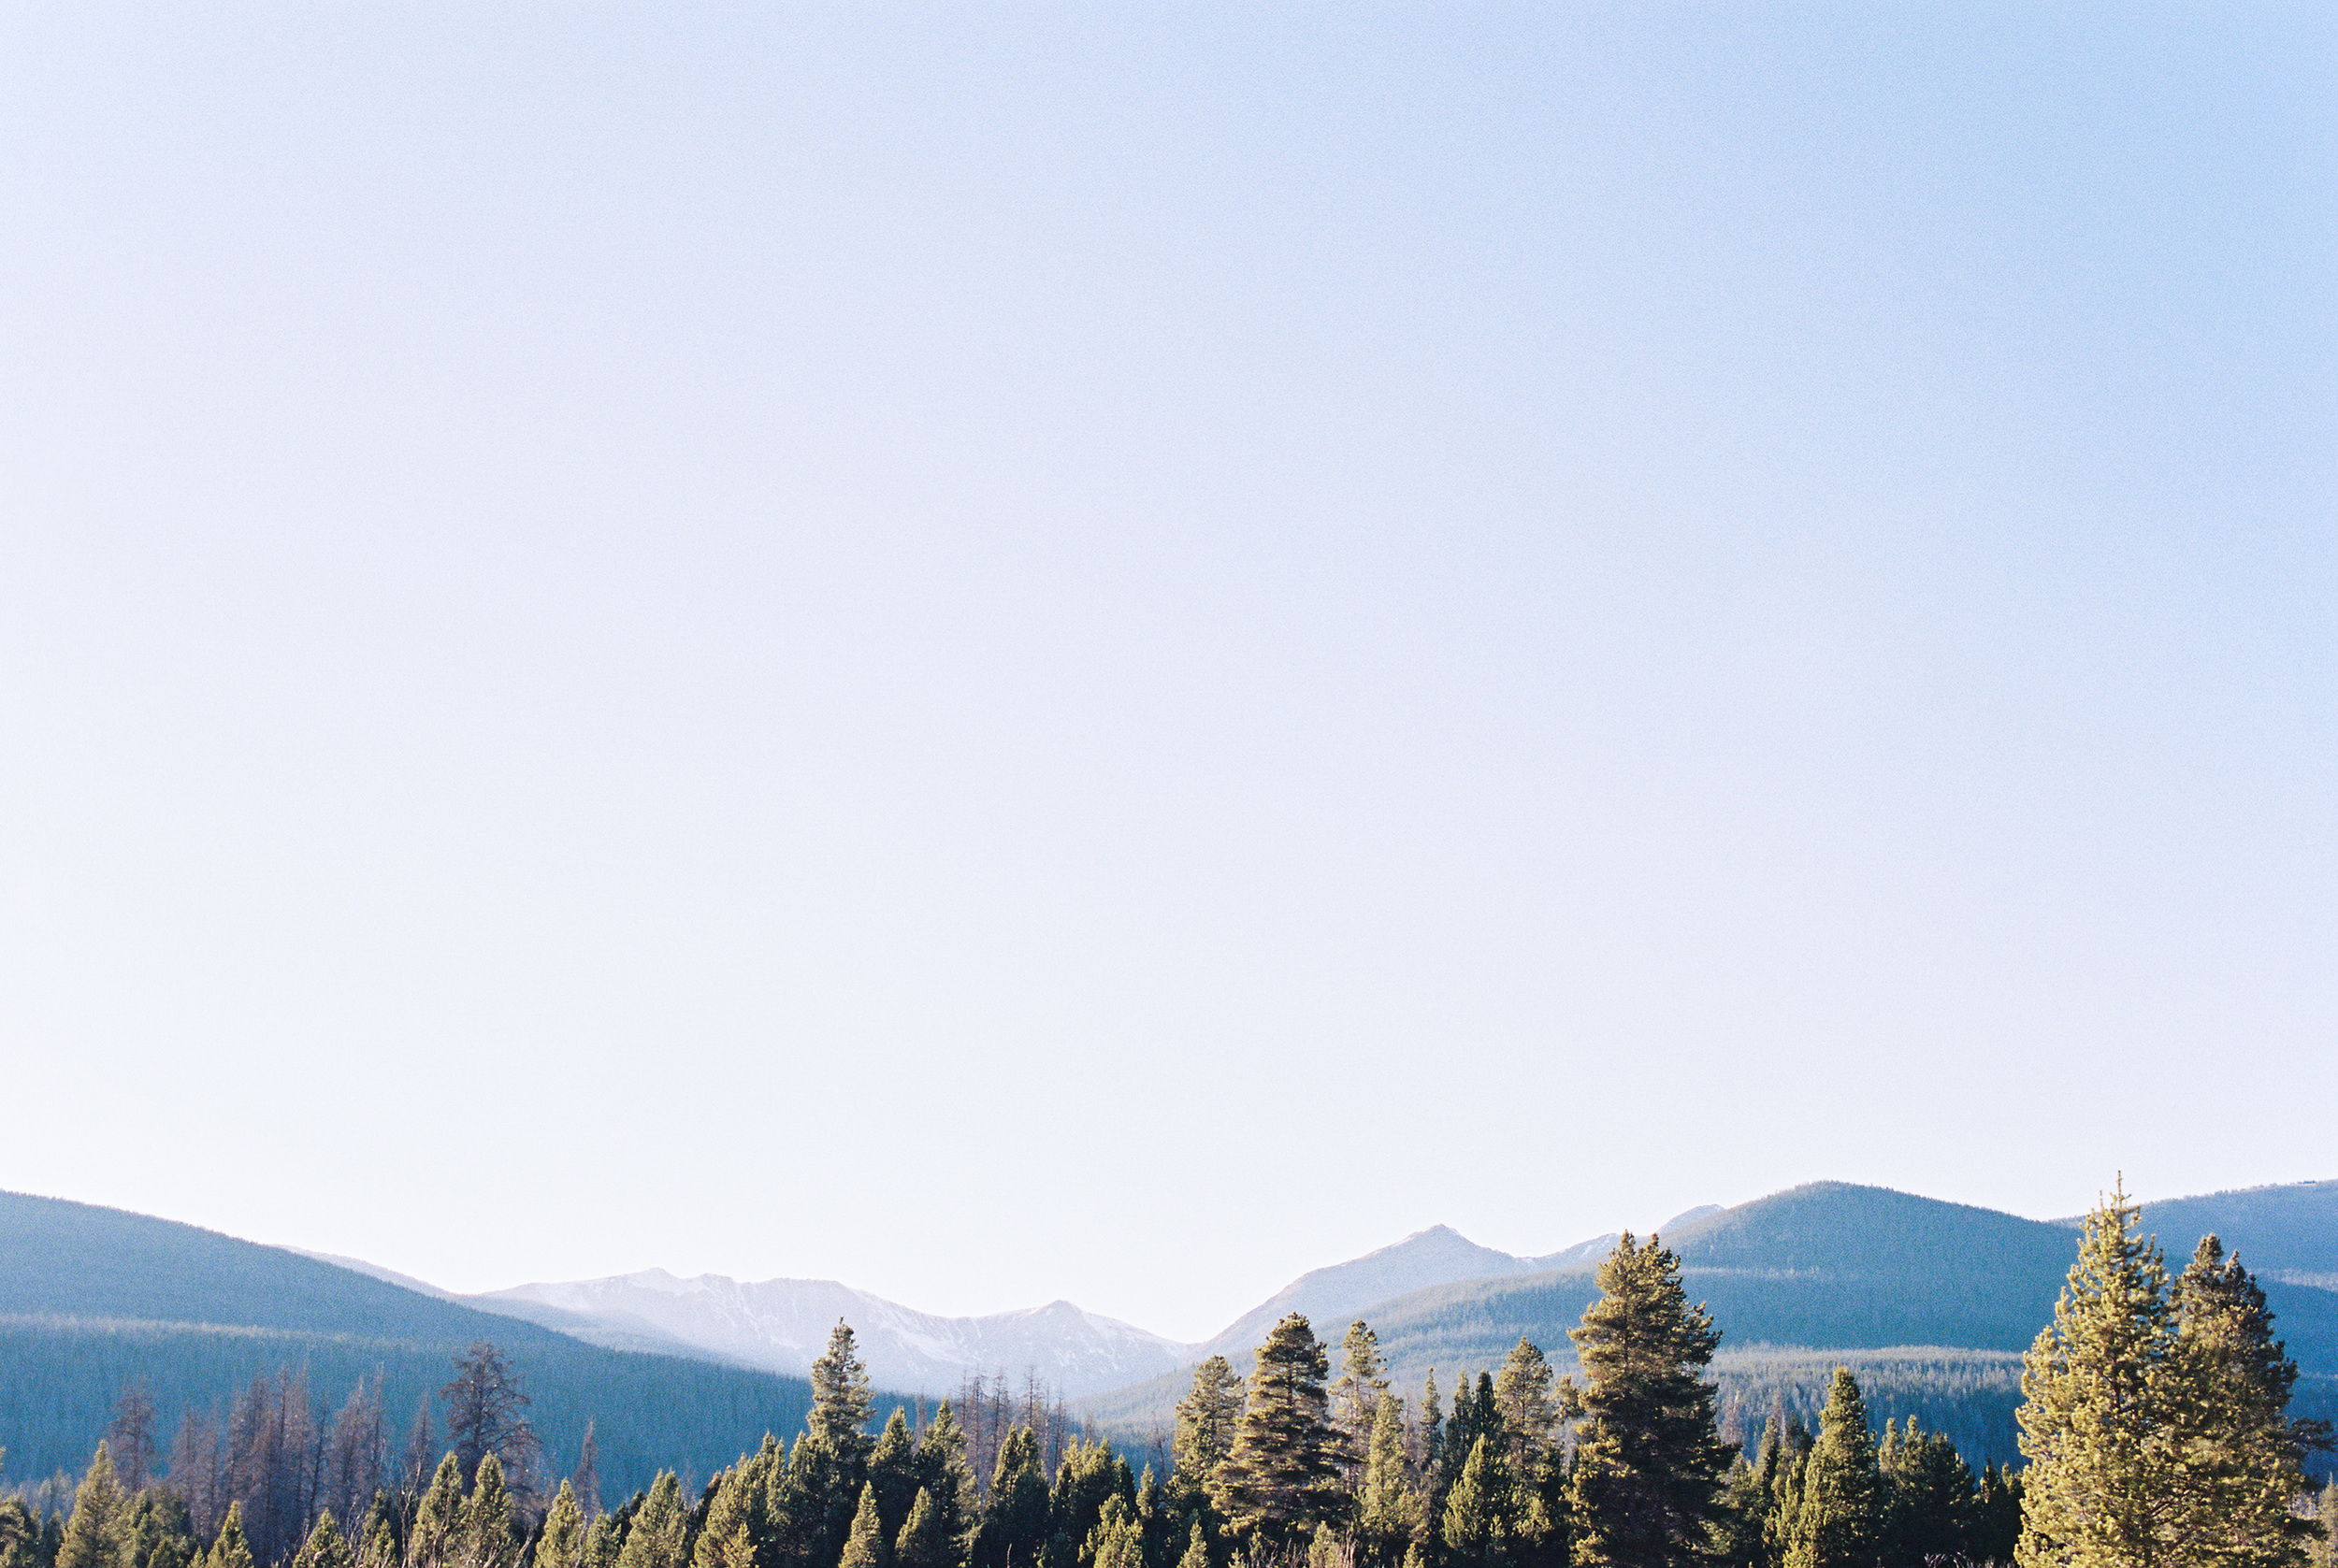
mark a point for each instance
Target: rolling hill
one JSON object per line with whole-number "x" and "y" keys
{"x": 1936, "y": 1298}
{"x": 90, "y": 1297}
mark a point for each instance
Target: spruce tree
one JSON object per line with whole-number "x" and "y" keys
{"x": 1432, "y": 1433}
{"x": 1933, "y": 1496}
{"x": 942, "y": 1470}
{"x": 562, "y": 1543}
{"x": 1362, "y": 1384}
{"x": 1117, "y": 1540}
{"x": 1479, "y": 1521}
{"x": 97, "y": 1530}
{"x": 865, "y": 1547}
{"x": 1196, "y": 1549}
{"x": 656, "y": 1537}
{"x": 488, "y": 1538}
{"x": 2100, "y": 1399}
{"x": 925, "y": 1540}
{"x": 893, "y": 1472}
{"x": 840, "y": 1396}
{"x": 324, "y": 1548}
{"x": 1389, "y": 1512}
{"x": 1207, "y": 1418}
{"x": 233, "y": 1549}
{"x": 433, "y": 1541}
{"x": 1843, "y": 1514}
{"x": 1015, "y": 1518}
{"x": 1644, "y": 1492}
{"x": 2243, "y": 1457}
{"x": 1282, "y": 1479}
{"x": 1523, "y": 1396}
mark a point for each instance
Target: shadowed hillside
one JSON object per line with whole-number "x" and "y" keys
{"x": 90, "y": 1297}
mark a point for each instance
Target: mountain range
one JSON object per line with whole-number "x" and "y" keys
{"x": 1931, "y": 1302}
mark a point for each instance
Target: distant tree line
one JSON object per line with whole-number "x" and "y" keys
{"x": 2154, "y": 1425}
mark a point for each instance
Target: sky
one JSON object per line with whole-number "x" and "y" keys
{"x": 1111, "y": 651}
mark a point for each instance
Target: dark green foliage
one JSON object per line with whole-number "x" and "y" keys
{"x": 485, "y": 1535}
{"x": 232, "y": 1549}
{"x": 324, "y": 1548}
{"x": 656, "y": 1537}
{"x": 1479, "y": 1524}
{"x": 1644, "y": 1492}
{"x": 2237, "y": 1381}
{"x": 865, "y": 1547}
{"x": 840, "y": 1398}
{"x": 1845, "y": 1515}
{"x": 1282, "y": 1479}
{"x": 925, "y": 1540}
{"x": 94, "y": 1534}
{"x": 1015, "y": 1519}
{"x": 1207, "y": 1420}
{"x": 1090, "y": 1476}
{"x": 561, "y": 1543}
{"x": 943, "y": 1474}
{"x": 892, "y": 1474}
{"x": 19, "y": 1536}
{"x": 1931, "y": 1495}
{"x": 434, "y": 1535}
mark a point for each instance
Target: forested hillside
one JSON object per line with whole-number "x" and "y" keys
{"x": 1931, "y": 1299}
{"x": 91, "y": 1298}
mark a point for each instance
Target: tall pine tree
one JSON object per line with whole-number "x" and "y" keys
{"x": 1282, "y": 1479}
{"x": 2100, "y": 1399}
{"x": 1645, "y": 1488}
{"x": 1842, "y": 1521}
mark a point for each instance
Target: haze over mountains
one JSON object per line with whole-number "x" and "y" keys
{"x": 1931, "y": 1301}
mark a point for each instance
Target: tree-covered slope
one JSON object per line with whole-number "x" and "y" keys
{"x": 91, "y": 1297}
{"x": 2289, "y": 1231}
{"x": 1941, "y": 1292}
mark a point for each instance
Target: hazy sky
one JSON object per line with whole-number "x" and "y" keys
{"x": 1110, "y": 653}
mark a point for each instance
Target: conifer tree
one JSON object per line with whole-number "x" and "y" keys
{"x": 324, "y": 1548}
{"x": 1362, "y": 1384}
{"x": 2100, "y": 1400}
{"x": 942, "y": 1470}
{"x": 2243, "y": 1457}
{"x": 96, "y": 1532}
{"x": 1117, "y": 1540}
{"x": 1932, "y": 1495}
{"x": 656, "y": 1535}
{"x": 1391, "y": 1514}
{"x": 486, "y": 1534}
{"x": 925, "y": 1538}
{"x": 865, "y": 1547}
{"x": 1207, "y": 1420}
{"x": 1523, "y": 1396}
{"x": 893, "y": 1472}
{"x": 840, "y": 1396}
{"x": 604, "y": 1538}
{"x": 2325, "y": 1550}
{"x": 1644, "y": 1492}
{"x": 562, "y": 1543}
{"x": 1196, "y": 1549}
{"x": 1843, "y": 1514}
{"x": 1479, "y": 1523}
{"x": 233, "y": 1549}
{"x": 432, "y": 1542}
{"x": 1282, "y": 1479}
{"x": 1015, "y": 1515}
{"x": 1431, "y": 1432}
{"x": 377, "y": 1539}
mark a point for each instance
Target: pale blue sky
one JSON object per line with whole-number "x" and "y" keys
{"x": 1112, "y": 652}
